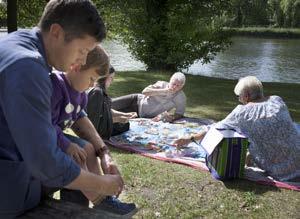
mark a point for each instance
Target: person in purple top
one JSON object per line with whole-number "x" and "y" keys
{"x": 68, "y": 102}
{"x": 29, "y": 157}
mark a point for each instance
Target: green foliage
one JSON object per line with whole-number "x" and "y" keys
{"x": 291, "y": 12}
{"x": 248, "y": 12}
{"x": 167, "y": 34}
{"x": 280, "y": 13}
{"x": 2, "y": 15}
{"x": 29, "y": 12}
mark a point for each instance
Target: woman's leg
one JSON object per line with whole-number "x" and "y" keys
{"x": 127, "y": 103}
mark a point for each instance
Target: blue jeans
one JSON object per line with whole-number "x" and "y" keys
{"x": 81, "y": 142}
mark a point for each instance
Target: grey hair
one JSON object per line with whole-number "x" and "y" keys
{"x": 179, "y": 77}
{"x": 251, "y": 85}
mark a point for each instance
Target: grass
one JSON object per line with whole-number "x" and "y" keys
{"x": 164, "y": 190}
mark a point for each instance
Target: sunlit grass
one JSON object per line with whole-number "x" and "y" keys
{"x": 206, "y": 97}
{"x": 164, "y": 190}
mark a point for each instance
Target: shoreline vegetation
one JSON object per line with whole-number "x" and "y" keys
{"x": 264, "y": 32}
{"x": 267, "y": 32}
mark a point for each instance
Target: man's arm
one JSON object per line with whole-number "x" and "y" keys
{"x": 156, "y": 90}
{"x": 103, "y": 184}
{"x": 25, "y": 93}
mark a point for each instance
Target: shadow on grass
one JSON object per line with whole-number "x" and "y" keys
{"x": 119, "y": 151}
{"x": 249, "y": 186}
{"x": 242, "y": 185}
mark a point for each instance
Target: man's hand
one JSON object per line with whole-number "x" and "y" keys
{"x": 165, "y": 117}
{"x": 77, "y": 153}
{"x": 171, "y": 90}
{"x": 113, "y": 184}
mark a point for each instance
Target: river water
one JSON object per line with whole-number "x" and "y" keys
{"x": 271, "y": 60}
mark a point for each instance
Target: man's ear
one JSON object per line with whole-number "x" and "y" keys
{"x": 56, "y": 31}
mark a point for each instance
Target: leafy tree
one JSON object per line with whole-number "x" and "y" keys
{"x": 296, "y": 14}
{"x": 285, "y": 13}
{"x": 2, "y": 14}
{"x": 248, "y": 13}
{"x": 29, "y": 12}
{"x": 167, "y": 34}
{"x": 277, "y": 17}
{"x": 291, "y": 12}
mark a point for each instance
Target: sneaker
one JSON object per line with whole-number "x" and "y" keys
{"x": 117, "y": 208}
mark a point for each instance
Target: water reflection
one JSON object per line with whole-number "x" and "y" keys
{"x": 121, "y": 59}
{"x": 273, "y": 60}
{"x": 276, "y": 60}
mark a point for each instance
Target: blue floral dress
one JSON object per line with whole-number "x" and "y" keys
{"x": 274, "y": 138}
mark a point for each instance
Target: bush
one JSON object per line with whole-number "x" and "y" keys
{"x": 2, "y": 15}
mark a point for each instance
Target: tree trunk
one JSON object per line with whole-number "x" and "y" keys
{"x": 12, "y": 24}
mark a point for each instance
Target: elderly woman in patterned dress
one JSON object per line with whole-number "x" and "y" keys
{"x": 274, "y": 138}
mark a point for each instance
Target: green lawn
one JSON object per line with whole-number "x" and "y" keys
{"x": 164, "y": 190}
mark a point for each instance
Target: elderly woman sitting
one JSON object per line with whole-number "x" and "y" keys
{"x": 274, "y": 139}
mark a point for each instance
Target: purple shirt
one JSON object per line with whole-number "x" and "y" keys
{"x": 67, "y": 106}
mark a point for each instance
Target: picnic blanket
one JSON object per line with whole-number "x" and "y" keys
{"x": 154, "y": 140}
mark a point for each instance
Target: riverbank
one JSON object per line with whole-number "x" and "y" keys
{"x": 163, "y": 190}
{"x": 265, "y": 32}
{"x": 269, "y": 32}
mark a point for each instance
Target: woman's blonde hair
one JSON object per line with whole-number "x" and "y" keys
{"x": 251, "y": 85}
{"x": 97, "y": 58}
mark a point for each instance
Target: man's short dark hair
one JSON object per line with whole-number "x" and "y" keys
{"x": 77, "y": 17}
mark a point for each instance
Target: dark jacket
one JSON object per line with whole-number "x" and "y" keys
{"x": 99, "y": 111}
{"x": 29, "y": 156}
